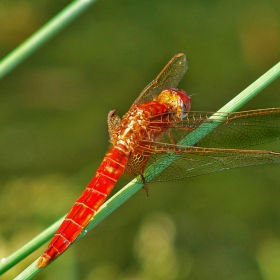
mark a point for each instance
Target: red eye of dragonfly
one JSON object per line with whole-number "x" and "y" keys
{"x": 185, "y": 101}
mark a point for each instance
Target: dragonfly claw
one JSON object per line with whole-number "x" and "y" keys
{"x": 145, "y": 187}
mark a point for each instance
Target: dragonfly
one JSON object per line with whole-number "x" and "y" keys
{"x": 151, "y": 133}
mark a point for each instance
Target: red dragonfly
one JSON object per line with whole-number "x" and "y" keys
{"x": 153, "y": 129}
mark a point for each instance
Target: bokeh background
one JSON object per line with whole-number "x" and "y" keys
{"x": 53, "y": 110}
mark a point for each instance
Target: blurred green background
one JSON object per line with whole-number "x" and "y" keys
{"x": 53, "y": 111}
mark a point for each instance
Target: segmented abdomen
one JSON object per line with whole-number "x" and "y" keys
{"x": 87, "y": 204}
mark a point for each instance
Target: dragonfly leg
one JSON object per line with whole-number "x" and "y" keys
{"x": 113, "y": 121}
{"x": 145, "y": 187}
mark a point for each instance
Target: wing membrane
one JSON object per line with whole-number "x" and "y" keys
{"x": 169, "y": 77}
{"x": 237, "y": 130}
{"x": 194, "y": 161}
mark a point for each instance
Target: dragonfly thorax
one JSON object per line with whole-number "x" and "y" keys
{"x": 134, "y": 126}
{"x": 131, "y": 129}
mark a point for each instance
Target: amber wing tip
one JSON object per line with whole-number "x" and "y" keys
{"x": 43, "y": 261}
{"x": 179, "y": 54}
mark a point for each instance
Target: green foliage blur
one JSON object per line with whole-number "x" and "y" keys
{"x": 53, "y": 135}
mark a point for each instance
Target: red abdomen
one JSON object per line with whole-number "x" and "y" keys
{"x": 87, "y": 204}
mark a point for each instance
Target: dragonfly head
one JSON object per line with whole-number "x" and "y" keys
{"x": 176, "y": 100}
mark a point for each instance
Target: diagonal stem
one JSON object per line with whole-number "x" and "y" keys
{"x": 41, "y": 36}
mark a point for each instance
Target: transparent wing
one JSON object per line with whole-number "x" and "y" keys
{"x": 237, "y": 130}
{"x": 168, "y": 162}
{"x": 169, "y": 77}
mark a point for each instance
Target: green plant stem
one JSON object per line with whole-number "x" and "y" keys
{"x": 42, "y": 35}
{"x": 29, "y": 248}
{"x": 125, "y": 193}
